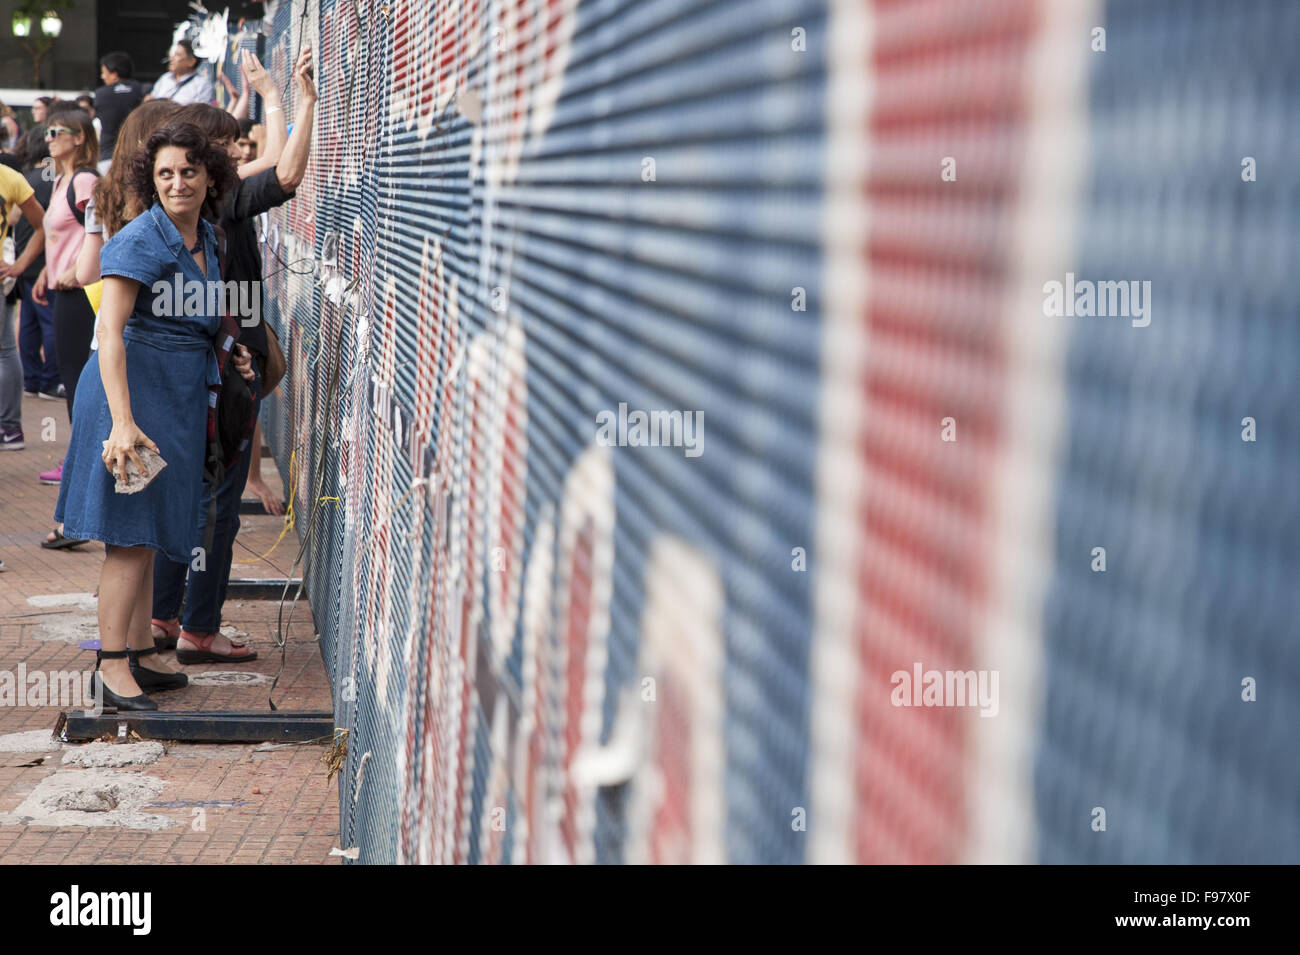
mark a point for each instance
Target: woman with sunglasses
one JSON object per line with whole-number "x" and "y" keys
{"x": 74, "y": 150}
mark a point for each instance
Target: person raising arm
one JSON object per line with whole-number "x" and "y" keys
{"x": 291, "y": 166}
{"x": 201, "y": 591}
{"x": 257, "y": 79}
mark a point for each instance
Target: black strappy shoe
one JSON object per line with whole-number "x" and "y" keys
{"x": 151, "y": 680}
{"x": 110, "y": 699}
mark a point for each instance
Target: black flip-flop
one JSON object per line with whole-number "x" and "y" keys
{"x": 60, "y": 542}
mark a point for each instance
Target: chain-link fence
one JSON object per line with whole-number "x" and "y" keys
{"x": 668, "y": 377}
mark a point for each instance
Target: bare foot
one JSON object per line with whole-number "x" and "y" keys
{"x": 215, "y": 643}
{"x": 263, "y": 493}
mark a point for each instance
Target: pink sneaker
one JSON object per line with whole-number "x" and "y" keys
{"x": 53, "y": 477}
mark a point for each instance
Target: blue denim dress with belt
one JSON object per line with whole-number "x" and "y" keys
{"x": 170, "y": 364}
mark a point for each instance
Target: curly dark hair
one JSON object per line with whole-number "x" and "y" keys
{"x": 221, "y": 170}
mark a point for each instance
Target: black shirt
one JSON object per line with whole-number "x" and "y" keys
{"x": 13, "y": 162}
{"x": 23, "y": 230}
{"x": 112, "y": 103}
{"x": 243, "y": 262}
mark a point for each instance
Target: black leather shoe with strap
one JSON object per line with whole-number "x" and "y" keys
{"x": 152, "y": 680}
{"x": 110, "y": 699}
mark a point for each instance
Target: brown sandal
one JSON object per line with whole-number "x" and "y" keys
{"x": 205, "y": 654}
{"x": 164, "y": 633}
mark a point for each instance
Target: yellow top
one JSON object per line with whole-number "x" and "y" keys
{"x": 14, "y": 190}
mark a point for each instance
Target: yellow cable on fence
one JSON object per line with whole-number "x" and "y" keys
{"x": 288, "y": 514}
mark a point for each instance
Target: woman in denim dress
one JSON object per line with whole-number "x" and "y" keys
{"x": 148, "y": 385}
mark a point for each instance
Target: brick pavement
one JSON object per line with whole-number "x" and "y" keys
{"x": 259, "y": 805}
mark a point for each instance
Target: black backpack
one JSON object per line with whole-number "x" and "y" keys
{"x": 235, "y": 420}
{"x": 235, "y": 414}
{"x": 71, "y": 196}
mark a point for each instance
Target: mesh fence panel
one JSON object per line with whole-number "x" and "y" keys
{"x": 528, "y": 222}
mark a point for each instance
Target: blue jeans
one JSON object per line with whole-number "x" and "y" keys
{"x": 11, "y": 370}
{"x": 206, "y": 590}
{"x": 36, "y": 329}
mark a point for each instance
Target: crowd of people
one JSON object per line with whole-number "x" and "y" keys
{"x": 104, "y": 197}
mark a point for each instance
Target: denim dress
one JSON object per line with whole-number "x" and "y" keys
{"x": 170, "y": 362}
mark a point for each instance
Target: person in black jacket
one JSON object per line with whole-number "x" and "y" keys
{"x": 114, "y": 100}
{"x": 200, "y": 639}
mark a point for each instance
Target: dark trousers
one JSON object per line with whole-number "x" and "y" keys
{"x": 74, "y": 327}
{"x": 36, "y": 334}
{"x": 206, "y": 589}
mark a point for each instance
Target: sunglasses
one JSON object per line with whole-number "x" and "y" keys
{"x": 54, "y": 131}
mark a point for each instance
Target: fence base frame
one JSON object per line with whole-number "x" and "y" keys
{"x": 257, "y": 726}
{"x": 251, "y": 505}
{"x": 260, "y": 588}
